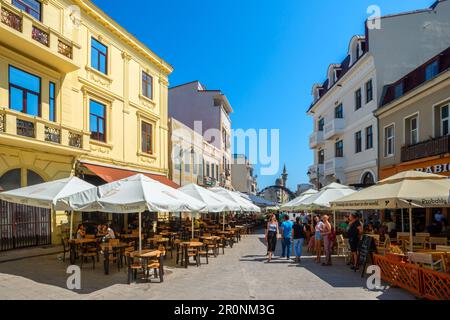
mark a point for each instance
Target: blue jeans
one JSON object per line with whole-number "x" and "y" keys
{"x": 298, "y": 245}
{"x": 286, "y": 246}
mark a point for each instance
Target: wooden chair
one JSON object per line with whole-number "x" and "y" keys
{"x": 212, "y": 245}
{"x": 418, "y": 243}
{"x": 425, "y": 260}
{"x": 437, "y": 241}
{"x": 342, "y": 247}
{"x": 134, "y": 265}
{"x": 153, "y": 263}
{"x": 443, "y": 248}
{"x": 221, "y": 244}
{"x": 66, "y": 247}
{"x": 179, "y": 251}
{"x": 203, "y": 252}
{"x": 383, "y": 247}
{"x": 85, "y": 253}
{"x": 401, "y": 237}
{"x": 128, "y": 250}
{"x": 423, "y": 234}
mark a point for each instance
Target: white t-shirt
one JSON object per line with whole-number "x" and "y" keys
{"x": 111, "y": 234}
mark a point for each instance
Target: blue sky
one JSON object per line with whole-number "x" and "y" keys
{"x": 264, "y": 55}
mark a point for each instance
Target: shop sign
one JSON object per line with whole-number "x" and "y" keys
{"x": 436, "y": 169}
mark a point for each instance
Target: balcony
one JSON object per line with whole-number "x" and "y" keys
{"x": 19, "y": 129}
{"x": 207, "y": 182}
{"x": 314, "y": 170}
{"x": 333, "y": 166}
{"x": 316, "y": 139}
{"x": 21, "y": 32}
{"x": 429, "y": 148}
{"x": 334, "y": 128}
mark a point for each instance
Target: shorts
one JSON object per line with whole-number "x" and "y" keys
{"x": 353, "y": 244}
{"x": 317, "y": 236}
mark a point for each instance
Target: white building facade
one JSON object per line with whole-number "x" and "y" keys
{"x": 207, "y": 112}
{"x": 344, "y": 139}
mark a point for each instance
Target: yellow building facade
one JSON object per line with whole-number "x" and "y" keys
{"x": 77, "y": 92}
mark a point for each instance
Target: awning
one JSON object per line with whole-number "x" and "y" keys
{"x": 113, "y": 174}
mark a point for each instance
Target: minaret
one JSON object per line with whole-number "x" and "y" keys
{"x": 284, "y": 176}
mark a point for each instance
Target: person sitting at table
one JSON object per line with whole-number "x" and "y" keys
{"x": 81, "y": 232}
{"x": 110, "y": 233}
{"x": 196, "y": 223}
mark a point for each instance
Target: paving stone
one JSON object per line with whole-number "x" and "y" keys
{"x": 242, "y": 273}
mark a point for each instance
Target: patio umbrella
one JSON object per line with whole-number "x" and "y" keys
{"x": 293, "y": 203}
{"x": 137, "y": 194}
{"x": 321, "y": 200}
{"x": 49, "y": 195}
{"x": 406, "y": 190}
{"x": 214, "y": 202}
{"x": 244, "y": 204}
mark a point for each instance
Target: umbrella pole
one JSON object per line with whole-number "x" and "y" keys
{"x": 140, "y": 232}
{"x": 192, "y": 226}
{"x": 411, "y": 245}
{"x": 334, "y": 219}
{"x": 223, "y": 222}
{"x": 403, "y": 222}
{"x": 71, "y": 225}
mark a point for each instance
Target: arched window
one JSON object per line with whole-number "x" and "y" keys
{"x": 368, "y": 179}
{"x": 13, "y": 179}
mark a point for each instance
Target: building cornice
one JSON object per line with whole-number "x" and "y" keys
{"x": 123, "y": 35}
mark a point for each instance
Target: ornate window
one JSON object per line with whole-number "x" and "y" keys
{"x": 24, "y": 92}
{"x": 99, "y": 56}
{"x": 97, "y": 120}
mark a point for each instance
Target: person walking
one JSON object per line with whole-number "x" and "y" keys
{"x": 318, "y": 237}
{"x": 286, "y": 242}
{"x": 327, "y": 241}
{"x": 299, "y": 235}
{"x": 354, "y": 233}
{"x": 272, "y": 233}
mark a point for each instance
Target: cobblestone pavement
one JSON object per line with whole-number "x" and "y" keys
{"x": 242, "y": 273}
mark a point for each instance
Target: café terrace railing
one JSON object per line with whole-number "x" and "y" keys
{"x": 15, "y": 123}
{"x": 425, "y": 149}
{"x": 422, "y": 282}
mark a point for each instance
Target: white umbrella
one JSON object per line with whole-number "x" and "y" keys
{"x": 321, "y": 200}
{"x": 293, "y": 203}
{"x": 214, "y": 202}
{"x": 50, "y": 194}
{"x": 138, "y": 194}
{"x": 235, "y": 197}
{"x": 406, "y": 190}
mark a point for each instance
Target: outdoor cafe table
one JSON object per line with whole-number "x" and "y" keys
{"x": 189, "y": 244}
{"x": 145, "y": 255}
{"x": 163, "y": 241}
{"x": 73, "y": 247}
{"x": 107, "y": 248}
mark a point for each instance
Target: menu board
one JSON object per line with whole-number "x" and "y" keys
{"x": 366, "y": 248}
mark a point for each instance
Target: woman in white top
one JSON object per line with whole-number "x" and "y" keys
{"x": 318, "y": 227}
